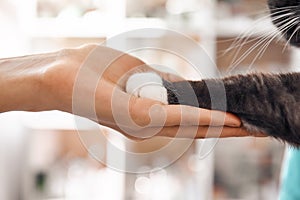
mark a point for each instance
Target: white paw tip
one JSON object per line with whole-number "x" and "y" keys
{"x": 147, "y": 85}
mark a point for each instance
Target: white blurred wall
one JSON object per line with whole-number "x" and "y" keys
{"x": 13, "y": 40}
{"x": 12, "y": 135}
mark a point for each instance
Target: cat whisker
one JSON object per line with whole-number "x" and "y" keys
{"x": 242, "y": 37}
{"x": 285, "y": 7}
{"x": 235, "y": 63}
{"x": 262, "y": 50}
{"x": 260, "y": 20}
{"x": 285, "y": 31}
{"x": 284, "y": 26}
{"x": 266, "y": 39}
{"x": 256, "y": 22}
{"x": 247, "y": 41}
{"x": 267, "y": 10}
{"x": 288, "y": 41}
{"x": 265, "y": 46}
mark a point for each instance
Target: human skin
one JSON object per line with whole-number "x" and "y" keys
{"x": 46, "y": 82}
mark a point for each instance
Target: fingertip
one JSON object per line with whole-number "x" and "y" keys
{"x": 232, "y": 120}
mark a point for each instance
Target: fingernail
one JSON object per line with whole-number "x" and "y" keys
{"x": 233, "y": 121}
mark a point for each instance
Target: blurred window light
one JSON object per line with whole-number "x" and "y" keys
{"x": 180, "y": 7}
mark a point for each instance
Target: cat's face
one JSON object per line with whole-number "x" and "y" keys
{"x": 286, "y": 16}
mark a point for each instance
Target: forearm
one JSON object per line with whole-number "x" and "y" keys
{"x": 21, "y": 85}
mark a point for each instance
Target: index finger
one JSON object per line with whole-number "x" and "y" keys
{"x": 153, "y": 113}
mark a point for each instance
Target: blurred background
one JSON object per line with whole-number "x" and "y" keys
{"x": 41, "y": 154}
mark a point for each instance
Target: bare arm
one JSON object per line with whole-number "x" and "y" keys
{"x": 48, "y": 82}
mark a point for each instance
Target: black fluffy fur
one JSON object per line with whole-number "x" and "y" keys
{"x": 264, "y": 102}
{"x": 269, "y": 103}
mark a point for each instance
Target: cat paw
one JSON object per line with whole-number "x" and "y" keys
{"x": 147, "y": 85}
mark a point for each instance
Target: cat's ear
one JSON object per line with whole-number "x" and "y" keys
{"x": 147, "y": 85}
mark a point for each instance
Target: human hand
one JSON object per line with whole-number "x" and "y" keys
{"x": 67, "y": 78}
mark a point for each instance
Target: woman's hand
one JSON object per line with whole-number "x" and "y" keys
{"x": 90, "y": 81}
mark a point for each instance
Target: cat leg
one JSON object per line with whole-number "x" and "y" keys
{"x": 147, "y": 85}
